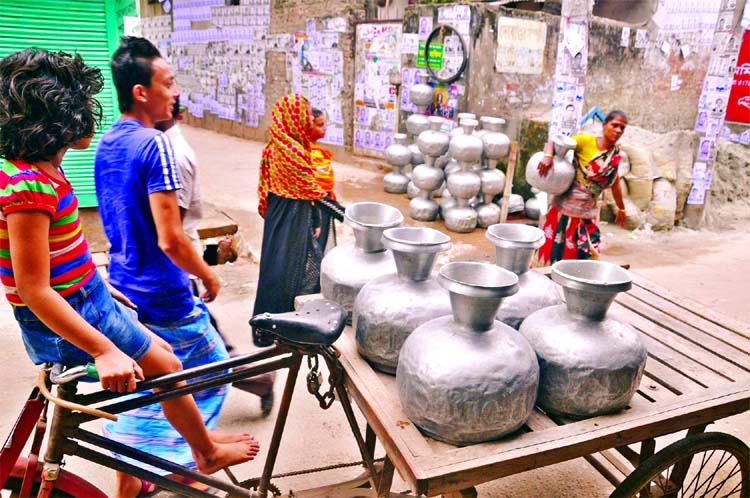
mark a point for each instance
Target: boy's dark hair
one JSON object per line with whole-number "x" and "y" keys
{"x": 46, "y": 103}
{"x": 131, "y": 65}
{"x": 315, "y": 112}
{"x": 612, "y": 115}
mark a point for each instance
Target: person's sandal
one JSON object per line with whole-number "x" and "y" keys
{"x": 266, "y": 403}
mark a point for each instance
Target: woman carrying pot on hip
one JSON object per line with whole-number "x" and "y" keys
{"x": 570, "y": 231}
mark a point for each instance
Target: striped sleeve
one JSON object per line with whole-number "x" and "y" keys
{"x": 157, "y": 157}
{"x": 26, "y": 190}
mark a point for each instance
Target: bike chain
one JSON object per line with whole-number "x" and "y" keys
{"x": 253, "y": 483}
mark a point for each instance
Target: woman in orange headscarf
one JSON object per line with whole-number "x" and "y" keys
{"x": 287, "y": 191}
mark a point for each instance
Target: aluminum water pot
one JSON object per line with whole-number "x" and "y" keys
{"x": 561, "y": 175}
{"x": 398, "y": 156}
{"x": 466, "y": 378}
{"x": 514, "y": 248}
{"x": 348, "y": 267}
{"x": 591, "y": 363}
{"x": 422, "y": 93}
{"x": 389, "y": 308}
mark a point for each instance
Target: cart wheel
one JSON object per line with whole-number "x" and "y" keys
{"x": 708, "y": 464}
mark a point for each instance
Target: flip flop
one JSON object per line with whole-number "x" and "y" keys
{"x": 148, "y": 489}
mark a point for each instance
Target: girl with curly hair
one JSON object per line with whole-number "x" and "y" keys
{"x": 66, "y": 312}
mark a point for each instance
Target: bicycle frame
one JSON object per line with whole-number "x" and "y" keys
{"x": 66, "y": 433}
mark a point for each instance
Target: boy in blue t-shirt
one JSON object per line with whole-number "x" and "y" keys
{"x": 150, "y": 255}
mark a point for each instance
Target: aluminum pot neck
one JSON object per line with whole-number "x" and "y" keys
{"x": 476, "y": 292}
{"x": 369, "y": 220}
{"x": 514, "y": 245}
{"x": 590, "y": 286}
{"x": 415, "y": 249}
{"x": 562, "y": 144}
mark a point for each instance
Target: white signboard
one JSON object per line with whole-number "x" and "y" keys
{"x": 520, "y": 46}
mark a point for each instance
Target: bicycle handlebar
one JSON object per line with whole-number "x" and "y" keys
{"x": 76, "y": 372}
{"x": 59, "y": 376}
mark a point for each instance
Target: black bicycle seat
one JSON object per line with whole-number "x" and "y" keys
{"x": 316, "y": 323}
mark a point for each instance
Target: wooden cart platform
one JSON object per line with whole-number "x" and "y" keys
{"x": 698, "y": 371}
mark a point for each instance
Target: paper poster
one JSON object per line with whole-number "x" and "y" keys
{"x": 701, "y": 122}
{"x": 462, "y": 13}
{"x": 337, "y": 24}
{"x": 705, "y": 149}
{"x": 574, "y": 40}
{"x": 165, "y": 49}
{"x": 445, "y": 101}
{"x": 712, "y": 128}
{"x": 434, "y": 57}
{"x": 447, "y": 14}
{"x": 697, "y": 195}
{"x": 699, "y": 172}
{"x": 641, "y": 38}
{"x": 520, "y": 46}
{"x": 377, "y": 57}
{"x": 625, "y": 37}
{"x": 567, "y": 103}
{"x": 409, "y": 43}
{"x": 425, "y": 27}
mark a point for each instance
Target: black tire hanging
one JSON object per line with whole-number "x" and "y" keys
{"x": 465, "y": 59}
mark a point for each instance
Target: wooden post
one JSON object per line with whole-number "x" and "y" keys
{"x": 510, "y": 171}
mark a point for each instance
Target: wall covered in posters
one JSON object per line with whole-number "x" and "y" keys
{"x": 233, "y": 62}
{"x": 315, "y": 69}
{"x": 221, "y": 68}
{"x": 377, "y": 61}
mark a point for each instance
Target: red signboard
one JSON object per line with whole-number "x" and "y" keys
{"x": 738, "y": 107}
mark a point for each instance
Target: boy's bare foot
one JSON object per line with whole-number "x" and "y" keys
{"x": 229, "y": 437}
{"x": 226, "y": 455}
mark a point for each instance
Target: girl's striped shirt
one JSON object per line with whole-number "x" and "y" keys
{"x": 24, "y": 187}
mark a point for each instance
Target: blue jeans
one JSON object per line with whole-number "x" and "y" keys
{"x": 96, "y": 305}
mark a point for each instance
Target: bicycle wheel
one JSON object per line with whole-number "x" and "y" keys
{"x": 13, "y": 484}
{"x": 711, "y": 464}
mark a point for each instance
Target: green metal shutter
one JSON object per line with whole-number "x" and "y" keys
{"x": 88, "y": 27}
